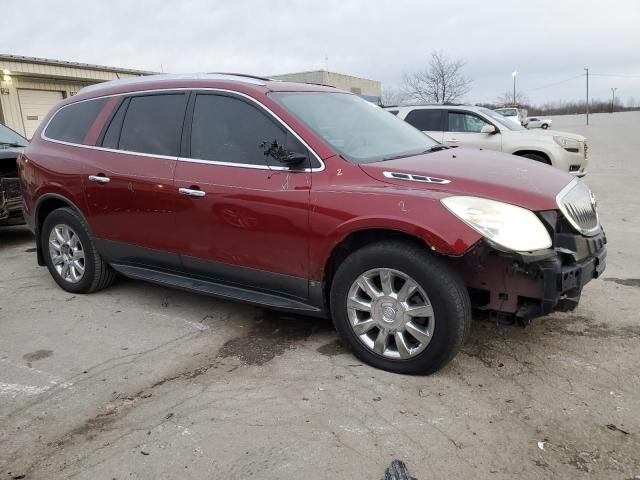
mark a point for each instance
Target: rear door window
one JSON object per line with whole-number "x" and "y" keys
{"x": 229, "y": 130}
{"x": 72, "y": 123}
{"x": 152, "y": 124}
{"x": 427, "y": 120}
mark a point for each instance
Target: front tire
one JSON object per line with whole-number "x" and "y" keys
{"x": 70, "y": 254}
{"x": 400, "y": 308}
{"x": 544, "y": 126}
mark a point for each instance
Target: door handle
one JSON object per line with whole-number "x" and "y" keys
{"x": 99, "y": 179}
{"x": 191, "y": 192}
{"x": 454, "y": 140}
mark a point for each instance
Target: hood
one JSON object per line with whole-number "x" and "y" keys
{"x": 546, "y": 135}
{"x": 556, "y": 133}
{"x": 481, "y": 173}
{"x": 10, "y": 152}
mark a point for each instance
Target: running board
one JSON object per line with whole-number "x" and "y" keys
{"x": 229, "y": 292}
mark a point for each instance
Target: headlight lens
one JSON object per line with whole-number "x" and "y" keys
{"x": 511, "y": 227}
{"x": 569, "y": 144}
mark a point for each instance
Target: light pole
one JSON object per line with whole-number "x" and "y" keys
{"x": 587, "y": 105}
{"x": 514, "y": 74}
{"x": 613, "y": 97}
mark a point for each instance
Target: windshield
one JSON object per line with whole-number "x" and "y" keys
{"x": 501, "y": 119}
{"x": 358, "y": 130}
{"x": 11, "y": 138}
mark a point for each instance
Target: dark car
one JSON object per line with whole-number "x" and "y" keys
{"x": 305, "y": 199}
{"x": 11, "y": 144}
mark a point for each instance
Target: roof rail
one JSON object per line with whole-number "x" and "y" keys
{"x": 176, "y": 76}
{"x": 244, "y": 75}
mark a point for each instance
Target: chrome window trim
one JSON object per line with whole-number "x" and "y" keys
{"x": 589, "y": 233}
{"x": 184, "y": 159}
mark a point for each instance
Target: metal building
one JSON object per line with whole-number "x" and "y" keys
{"x": 29, "y": 87}
{"x": 368, "y": 89}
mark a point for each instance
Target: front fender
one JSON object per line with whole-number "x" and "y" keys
{"x": 419, "y": 216}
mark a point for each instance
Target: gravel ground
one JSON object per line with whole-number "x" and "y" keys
{"x": 140, "y": 381}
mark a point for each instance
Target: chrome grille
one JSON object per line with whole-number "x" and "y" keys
{"x": 578, "y": 205}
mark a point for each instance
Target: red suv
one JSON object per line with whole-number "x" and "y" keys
{"x": 306, "y": 199}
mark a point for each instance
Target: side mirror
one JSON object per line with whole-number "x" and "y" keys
{"x": 490, "y": 129}
{"x": 282, "y": 155}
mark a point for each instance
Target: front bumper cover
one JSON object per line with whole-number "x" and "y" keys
{"x": 10, "y": 202}
{"x": 519, "y": 287}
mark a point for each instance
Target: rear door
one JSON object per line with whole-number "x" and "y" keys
{"x": 242, "y": 217}
{"x": 129, "y": 184}
{"x": 428, "y": 120}
{"x": 464, "y": 129}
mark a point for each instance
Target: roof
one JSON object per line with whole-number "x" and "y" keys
{"x": 433, "y": 105}
{"x": 175, "y": 76}
{"x": 242, "y": 83}
{"x": 64, "y": 63}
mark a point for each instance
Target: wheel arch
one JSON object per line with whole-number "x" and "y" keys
{"x": 46, "y": 204}
{"x": 540, "y": 153}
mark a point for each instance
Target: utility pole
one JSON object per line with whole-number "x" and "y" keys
{"x": 613, "y": 97}
{"x": 514, "y": 74}
{"x": 587, "y": 70}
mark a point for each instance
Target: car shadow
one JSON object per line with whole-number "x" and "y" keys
{"x": 13, "y": 236}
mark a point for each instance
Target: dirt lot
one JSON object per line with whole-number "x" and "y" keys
{"x": 140, "y": 381}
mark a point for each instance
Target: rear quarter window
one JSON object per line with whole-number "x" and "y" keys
{"x": 72, "y": 122}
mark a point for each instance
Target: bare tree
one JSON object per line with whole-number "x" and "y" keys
{"x": 393, "y": 96}
{"x": 440, "y": 82}
{"x": 507, "y": 98}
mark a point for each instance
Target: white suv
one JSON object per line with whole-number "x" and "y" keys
{"x": 478, "y": 127}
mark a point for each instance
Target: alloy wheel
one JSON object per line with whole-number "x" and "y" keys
{"x": 67, "y": 253}
{"x": 390, "y": 313}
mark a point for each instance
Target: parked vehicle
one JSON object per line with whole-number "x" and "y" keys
{"x": 537, "y": 122}
{"x": 306, "y": 199}
{"x": 514, "y": 113}
{"x": 11, "y": 144}
{"x": 479, "y": 127}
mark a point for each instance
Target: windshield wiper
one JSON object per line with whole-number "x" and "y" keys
{"x": 437, "y": 148}
{"x": 11, "y": 144}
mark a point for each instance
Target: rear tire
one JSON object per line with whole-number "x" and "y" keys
{"x": 70, "y": 255}
{"x": 439, "y": 293}
{"x": 537, "y": 158}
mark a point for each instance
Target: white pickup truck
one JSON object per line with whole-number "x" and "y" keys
{"x": 515, "y": 114}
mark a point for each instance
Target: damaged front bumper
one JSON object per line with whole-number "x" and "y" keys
{"x": 516, "y": 287}
{"x": 10, "y": 202}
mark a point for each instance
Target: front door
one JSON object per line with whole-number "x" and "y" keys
{"x": 464, "y": 129}
{"x": 129, "y": 182}
{"x": 243, "y": 217}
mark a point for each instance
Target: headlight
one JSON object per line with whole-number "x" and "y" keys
{"x": 569, "y": 144}
{"x": 513, "y": 228}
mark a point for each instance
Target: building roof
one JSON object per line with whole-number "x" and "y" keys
{"x": 64, "y": 63}
{"x": 322, "y": 71}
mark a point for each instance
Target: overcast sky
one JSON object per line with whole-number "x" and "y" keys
{"x": 546, "y": 41}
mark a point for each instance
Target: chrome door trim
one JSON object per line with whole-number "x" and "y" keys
{"x": 99, "y": 179}
{"x": 191, "y": 192}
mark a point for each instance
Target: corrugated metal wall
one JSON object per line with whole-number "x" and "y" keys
{"x": 37, "y": 76}
{"x": 369, "y": 89}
